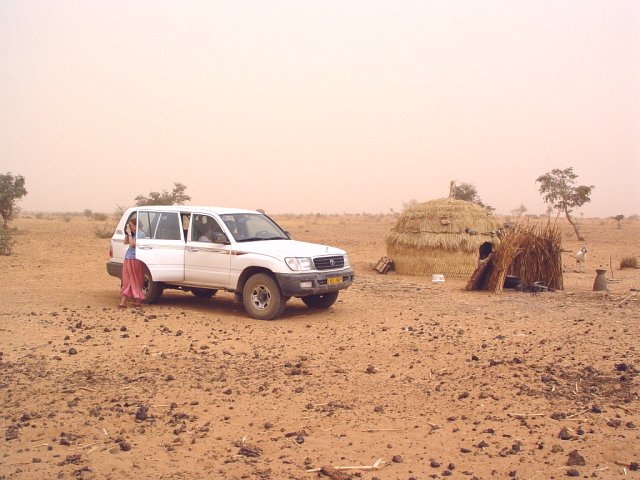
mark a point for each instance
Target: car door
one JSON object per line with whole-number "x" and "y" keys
{"x": 161, "y": 247}
{"x": 208, "y": 254}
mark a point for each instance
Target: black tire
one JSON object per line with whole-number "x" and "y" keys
{"x": 152, "y": 290}
{"x": 320, "y": 301}
{"x": 262, "y": 298}
{"x": 204, "y": 292}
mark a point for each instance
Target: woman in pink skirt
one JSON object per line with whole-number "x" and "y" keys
{"x": 132, "y": 270}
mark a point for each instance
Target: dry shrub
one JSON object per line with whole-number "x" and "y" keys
{"x": 629, "y": 262}
{"x": 103, "y": 231}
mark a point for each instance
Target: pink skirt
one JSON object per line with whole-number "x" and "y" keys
{"x": 132, "y": 279}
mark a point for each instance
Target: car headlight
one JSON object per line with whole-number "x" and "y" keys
{"x": 299, "y": 263}
{"x": 346, "y": 261}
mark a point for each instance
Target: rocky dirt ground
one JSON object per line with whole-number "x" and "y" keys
{"x": 403, "y": 378}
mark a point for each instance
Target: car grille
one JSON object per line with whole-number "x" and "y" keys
{"x": 328, "y": 263}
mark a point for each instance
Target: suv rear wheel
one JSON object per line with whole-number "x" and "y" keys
{"x": 262, "y": 298}
{"x": 320, "y": 301}
{"x": 151, "y": 290}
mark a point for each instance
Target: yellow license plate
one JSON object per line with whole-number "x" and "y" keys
{"x": 334, "y": 280}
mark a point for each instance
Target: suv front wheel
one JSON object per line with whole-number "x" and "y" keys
{"x": 262, "y": 298}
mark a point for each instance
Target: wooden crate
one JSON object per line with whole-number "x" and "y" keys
{"x": 384, "y": 265}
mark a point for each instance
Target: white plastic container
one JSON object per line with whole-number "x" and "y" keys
{"x": 437, "y": 278}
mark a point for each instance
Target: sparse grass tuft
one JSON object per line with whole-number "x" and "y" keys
{"x": 629, "y": 262}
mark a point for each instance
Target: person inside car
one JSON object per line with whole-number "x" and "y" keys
{"x": 206, "y": 233}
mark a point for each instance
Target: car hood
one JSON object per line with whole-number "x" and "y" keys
{"x": 287, "y": 248}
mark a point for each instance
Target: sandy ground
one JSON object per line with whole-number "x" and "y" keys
{"x": 432, "y": 380}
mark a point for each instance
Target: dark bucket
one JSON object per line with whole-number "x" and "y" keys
{"x": 511, "y": 281}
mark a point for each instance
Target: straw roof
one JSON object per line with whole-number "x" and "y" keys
{"x": 440, "y": 236}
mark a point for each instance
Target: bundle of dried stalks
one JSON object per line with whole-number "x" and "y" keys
{"x": 530, "y": 253}
{"x": 440, "y": 236}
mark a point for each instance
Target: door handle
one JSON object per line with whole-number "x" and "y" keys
{"x": 145, "y": 247}
{"x": 192, "y": 249}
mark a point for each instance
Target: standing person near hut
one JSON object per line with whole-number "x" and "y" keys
{"x": 132, "y": 270}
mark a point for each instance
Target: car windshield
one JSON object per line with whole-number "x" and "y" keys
{"x": 249, "y": 227}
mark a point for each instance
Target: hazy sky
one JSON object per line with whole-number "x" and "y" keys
{"x": 319, "y": 106}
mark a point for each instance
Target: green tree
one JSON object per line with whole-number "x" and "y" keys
{"x": 11, "y": 190}
{"x": 467, "y": 192}
{"x": 176, "y": 197}
{"x": 558, "y": 188}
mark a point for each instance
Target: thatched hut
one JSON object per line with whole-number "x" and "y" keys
{"x": 440, "y": 237}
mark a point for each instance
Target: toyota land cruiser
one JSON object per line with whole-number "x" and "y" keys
{"x": 206, "y": 249}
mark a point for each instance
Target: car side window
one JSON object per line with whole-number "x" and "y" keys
{"x": 168, "y": 227}
{"x": 147, "y": 223}
{"x": 205, "y": 229}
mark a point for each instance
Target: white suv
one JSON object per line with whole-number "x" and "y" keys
{"x": 205, "y": 249}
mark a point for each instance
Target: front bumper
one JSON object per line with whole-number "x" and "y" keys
{"x": 114, "y": 269}
{"x": 303, "y": 284}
